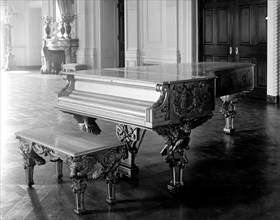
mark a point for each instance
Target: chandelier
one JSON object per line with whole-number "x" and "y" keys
{"x": 8, "y": 13}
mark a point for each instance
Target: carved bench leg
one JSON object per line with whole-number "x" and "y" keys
{"x": 59, "y": 168}
{"x": 110, "y": 161}
{"x": 29, "y": 172}
{"x": 79, "y": 168}
{"x": 79, "y": 186}
{"x": 30, "y": 159}
{"x": 110, "y": 181}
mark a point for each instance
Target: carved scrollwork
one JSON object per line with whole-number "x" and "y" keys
{"x": 30, "y": 157}
{"x": 79, "y": 185}
{"x": 87, "y": 124}
{"x": 69, "y": 85}
{"x": 129, "y": 135}
{"x": 161, "y": 107}
{"x": 228, "y": 108}
{"x": 73, "y": 55}
{"x": 176, "y": 138}
{"x": 110, "y": 161}
{"x": 80, "y": 166}
{"x": 191, "y": 98}
{"x": 42, "y": 150}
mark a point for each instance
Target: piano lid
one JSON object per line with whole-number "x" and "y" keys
{"x": 199, "y": 69}
{"x": 138, "y": 75}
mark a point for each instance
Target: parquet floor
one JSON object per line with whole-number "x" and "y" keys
{"x": 228, "y": 177}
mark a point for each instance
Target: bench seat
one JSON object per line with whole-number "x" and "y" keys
{"x": 80, "y": 150}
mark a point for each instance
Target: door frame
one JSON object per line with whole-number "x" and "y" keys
{"x": 200, "y": 35}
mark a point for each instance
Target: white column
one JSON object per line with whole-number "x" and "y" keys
{"x": 86, "y": 31}
{"x": 132, "y": 33}
{"x": 189, "y": 33}
{"x": 273, "y": 47}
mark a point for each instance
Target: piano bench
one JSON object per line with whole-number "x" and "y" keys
{"x": 80, "y": 150}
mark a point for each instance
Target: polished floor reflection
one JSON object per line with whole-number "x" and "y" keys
{"x": 227, "y": 177}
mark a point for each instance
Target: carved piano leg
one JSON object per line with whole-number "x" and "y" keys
{"x": 79, "y": 186}
{"x": 131, "y": 136}
{"x": 177, "y": 138}
{"x": 87, "y": 124}
{"x": 30, "y": 159}
{"x": 228, "y": 109}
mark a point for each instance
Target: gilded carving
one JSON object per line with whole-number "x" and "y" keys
{"x": 78, "y": 187}
{"x": 228, "y": 109}
{"x": 80, "y": 166}
{"x": 30, "y": 157}
{"x": 191, "y": 98}
{"x": 177, "y": 138}
{"x": 87, "y": 124}
{"x": 73, "y": 55}
{"x": 129, "y": 135}
{"x": 69, "y": 85}
{"x": 161, "y": 107}
{"x": 110, "y": 161}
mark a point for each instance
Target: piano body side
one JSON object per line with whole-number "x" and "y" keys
{"x": 123, "y": 101}
{"x": 138, "y": 103}
{"x": 235, "y": 80}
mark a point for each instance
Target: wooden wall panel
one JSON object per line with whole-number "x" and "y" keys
{"x": 223, "y": 29}
{"x": 262, "y": 23}
{"x": 208, "y": 27}
{"x": 261, "y": 69}
{"x": 245, "y": 27}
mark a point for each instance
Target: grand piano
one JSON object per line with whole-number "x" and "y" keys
{"x": 170, "y": 99}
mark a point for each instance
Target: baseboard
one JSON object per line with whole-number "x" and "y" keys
{"x": 272, "y": 99}
{"x": 28, "y": 67}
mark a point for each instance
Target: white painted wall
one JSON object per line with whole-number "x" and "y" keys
{"x": 26, "y": 33}
{"x": 160, "y": 32}
{"x": 108, "y": 33}
{"x": 34, "y": 40}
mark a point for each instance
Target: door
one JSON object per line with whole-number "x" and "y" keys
{"x": 121, "y": 33}
{"x": 236, "y": 31}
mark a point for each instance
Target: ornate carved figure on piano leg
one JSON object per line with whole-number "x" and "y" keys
{"x": 30, "y": 159}
{"x": 177, "y": 138}
{"x": 131, "y": 136}
{"x": 228, "y": 109}
{"x": 87, "y": 124}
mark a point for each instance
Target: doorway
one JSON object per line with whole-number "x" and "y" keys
{"x": 121, "y": 39}
{"x": 235, "y": 31}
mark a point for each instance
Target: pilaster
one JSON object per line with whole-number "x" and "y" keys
{"x": 273, "y": 47}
